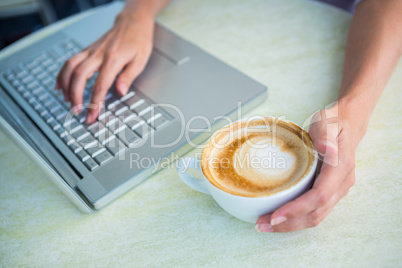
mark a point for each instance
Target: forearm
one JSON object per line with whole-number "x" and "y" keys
{"x": 373, "y": 49}
{"x": 145, "y": 9}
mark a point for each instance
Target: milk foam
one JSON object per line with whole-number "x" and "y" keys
{"x": 257, "y": 159}
{"x": 266, "y": 160}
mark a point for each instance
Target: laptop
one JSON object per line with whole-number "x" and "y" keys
{"x": 181, "y": 98}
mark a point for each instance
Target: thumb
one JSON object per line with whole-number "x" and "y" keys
{"x": 324, "y": 134}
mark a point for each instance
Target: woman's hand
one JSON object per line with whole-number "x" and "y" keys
{"x": 335, "y": 136}
{"x": 126, "y": 48}
{"x": 370, "y": 58}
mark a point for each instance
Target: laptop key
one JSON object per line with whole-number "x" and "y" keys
{"x": 96, "y": 128}
{"x": 40, "y": 58}
{"x": 21, "y": 90}
{"x": 115, "y": 146}
{"x": 67, "y": 138}
{"x": 90, "y": 164}
{"x": 142, "y": 108}
{"x": 15, "y": 83}
{"x": 75, "y": 147}
{"x": 82, "y": 155}
{"x": 8, "y": 75}
{"x": 116, "y": 126}
{"x": 47, "y": 117}
{"x": 60, "y": 131}
{"x": 46, "y": 62}
{"x": 61, "y": 115}
{"x": 72, "y": 125}
{"x": 48, "y": 82}
{"x": 120, "y": 108}
{"x": 52, "y": 68}
{"x": 44, "y": 98}
{"x": 95, "y": 150}
{"x": 41, "y": 111}
{"x": 149, "y": 115}
{"x": 38, "y": 92}
{"x": 53, "y": 124}
{"x": 41, "y": 76}
{"x": 135, "y": 122}
{"x": 79, "y": 133}
{"x": 26, "y": 80}
{"x": 127, "y": 96}
{"x": 30, "y": 98}
{"x": 51, "y": 105}
{"x": 105, "y": 136}
{"x": 103, "y": 157}
{"x": 107, "y": 120}
{"x": 33, "y": 86}
{"x": 147, "y": 112}
{"x": 157, "y": 123}
{"x": 112, "y": 103}
{"x": 67, "y": 119}
{"x": 35, "y": 104}
{"x": 88, "y": 142}
{"x": 21, "y": 74}
{"x": 133, "y": 102}
{"x": 142, "y": 129}
{"x": 127, "y": 115}
{"x": 128, "y": 137}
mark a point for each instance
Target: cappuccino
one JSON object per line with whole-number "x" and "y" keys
{"x": 257, "y": 157}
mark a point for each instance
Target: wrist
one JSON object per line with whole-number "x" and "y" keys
{"x": 355, "y": 115}
{"x": 131, "y": 16}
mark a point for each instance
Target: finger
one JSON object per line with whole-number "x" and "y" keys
{"x": 323, "y": 191}
{"x": 107, "y": 74}
{"x": 324, "y": 133}
{"x": 263, "y": 224}
{"x": 310, "y": 220}
{"x": 331, "y": 185}
{"x": 130, "y": 72}
{"x": 65, "y": 73}
{"x": 315, "y": 217}
{"x": 306, "y": 221}
{"x": 79, "y": 78}
{"x": 310, "y": 217}
{"x": 330, "y": 182}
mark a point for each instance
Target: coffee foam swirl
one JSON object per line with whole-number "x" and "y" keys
{"x": 258, "y": 157}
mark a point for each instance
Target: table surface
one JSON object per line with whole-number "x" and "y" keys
{"x": 295, "y": 48}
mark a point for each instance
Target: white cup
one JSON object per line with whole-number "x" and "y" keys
{"x": 247, "y": 209}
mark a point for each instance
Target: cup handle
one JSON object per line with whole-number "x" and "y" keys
{"x": 182, "y": 167}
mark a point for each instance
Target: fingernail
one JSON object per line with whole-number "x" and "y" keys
{"x": 264, "y": 228}
{"x": 123, "y": 88}
{"x": 277, "y": 220}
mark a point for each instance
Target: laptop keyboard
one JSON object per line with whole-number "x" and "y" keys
{"x": 123, "y": 122}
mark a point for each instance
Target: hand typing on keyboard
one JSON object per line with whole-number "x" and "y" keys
{"x": 125, "y": 48}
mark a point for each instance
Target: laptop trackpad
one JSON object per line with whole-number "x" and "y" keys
{"x": 157, "y": 64}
